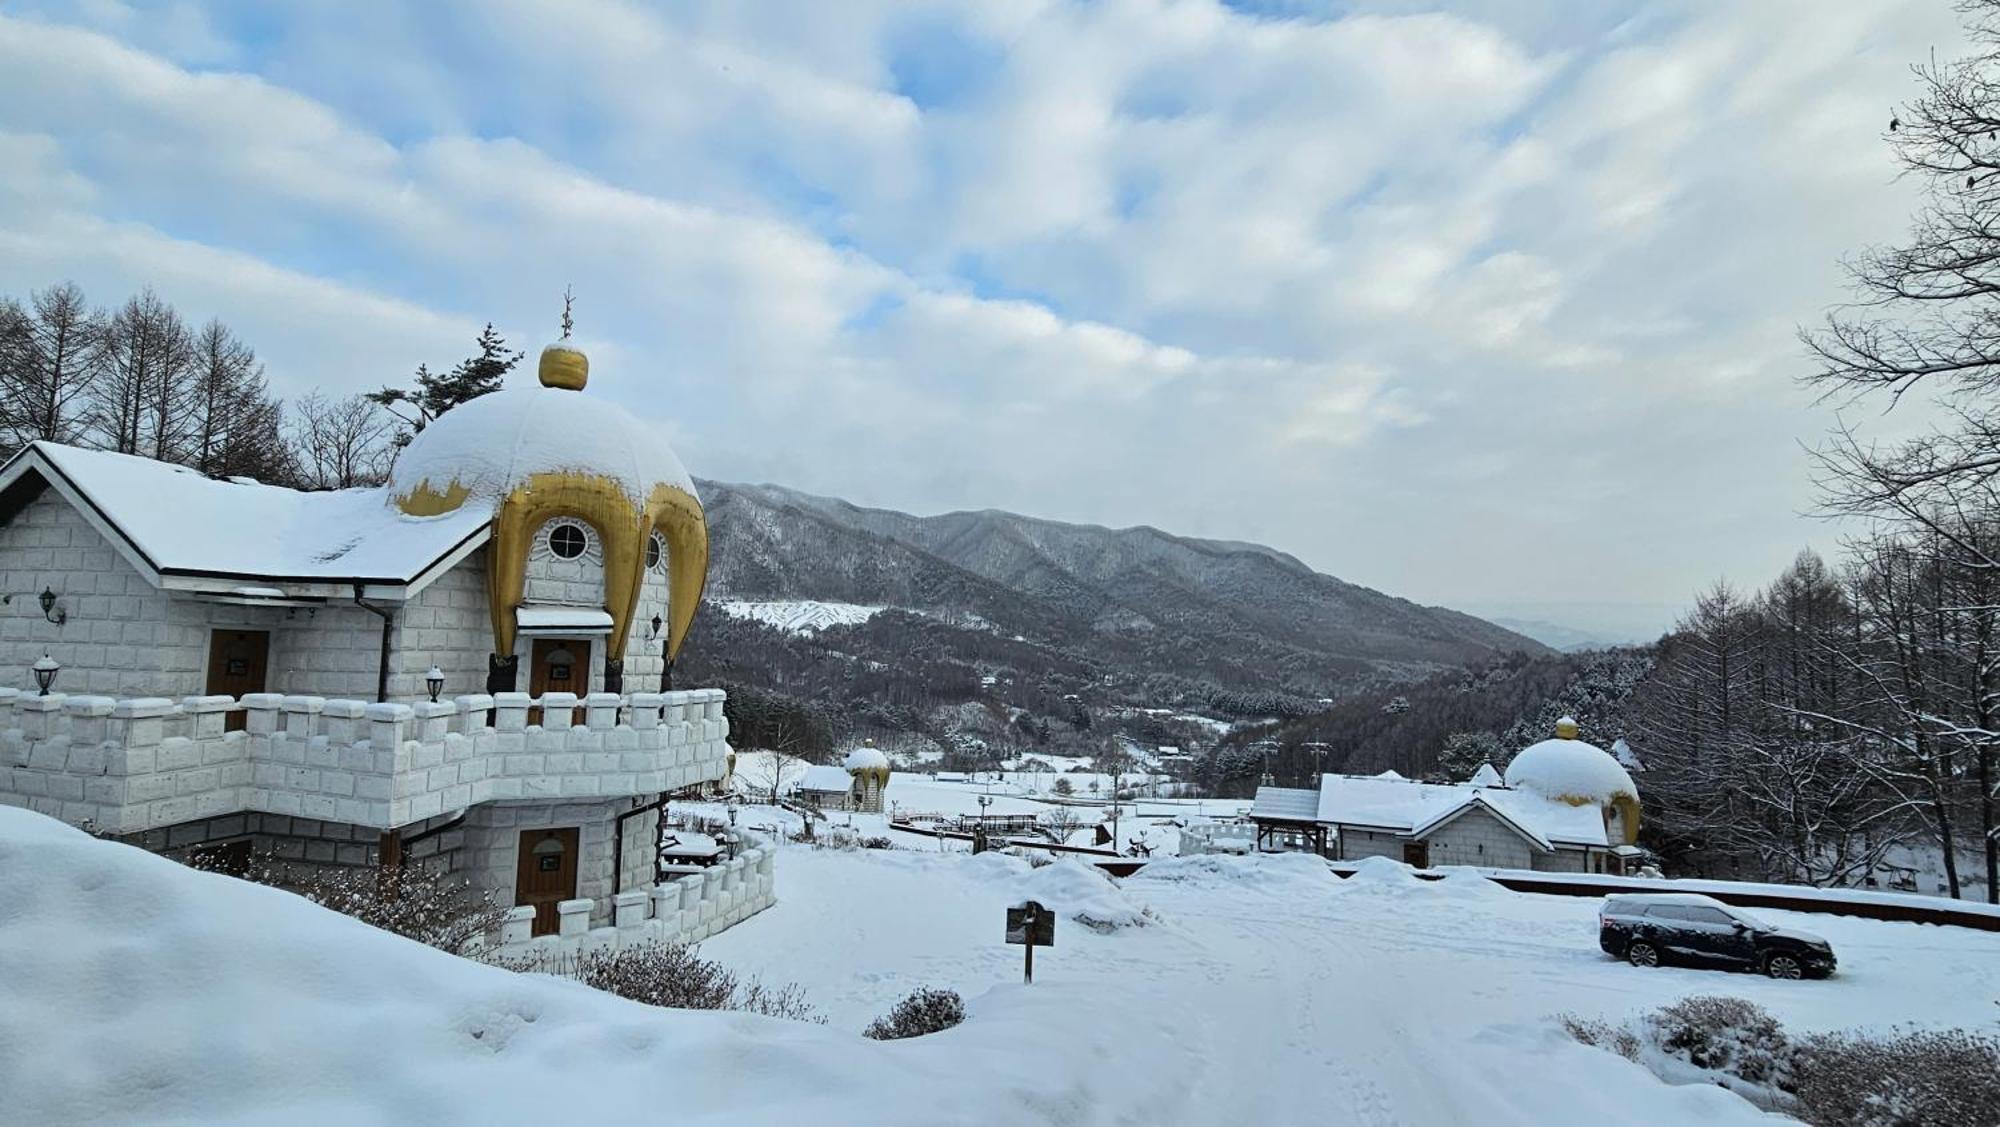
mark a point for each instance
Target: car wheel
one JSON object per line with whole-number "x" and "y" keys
{"x": 1642, "y": 955}
{"x": 1784, "y": 966}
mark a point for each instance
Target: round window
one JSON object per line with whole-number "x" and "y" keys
{"x": 567, "y": 541}
{"x": 656, "y": 551}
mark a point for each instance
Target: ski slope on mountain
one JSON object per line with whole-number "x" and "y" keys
{"x": 1218, "y": 990}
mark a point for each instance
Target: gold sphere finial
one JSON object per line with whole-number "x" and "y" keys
{"x": 565, "y": 366}
{"x": 1566, "y": 728}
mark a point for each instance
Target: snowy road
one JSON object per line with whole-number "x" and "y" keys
{"x": 1270, "y": 991}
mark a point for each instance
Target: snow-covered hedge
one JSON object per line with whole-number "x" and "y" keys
{"x": 1857, "y": 1079}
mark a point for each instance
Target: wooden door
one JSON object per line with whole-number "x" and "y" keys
{"x": 237, "y": 661}
{"x": 559, "y": 665}
{"x": 1417, "y": 853}
{"x": 546, "y": 874}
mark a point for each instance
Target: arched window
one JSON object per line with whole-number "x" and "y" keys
{"x": 567, "y": 540}
{"x": 656, "y": 552}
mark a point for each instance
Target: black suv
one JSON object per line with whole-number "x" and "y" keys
{"x": 1681, "y": 927}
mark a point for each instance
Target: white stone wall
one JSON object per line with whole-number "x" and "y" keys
{"x": 445, "y": 625}
{"x": 551, "y": 579}
{"x": 493, "y": 844}
{"x": 1478, "y": 838}
{"x": 1358, "y": 843}
{"x": 124, "y": 637}
{"x": 135, "y": 765}
{"x": 642, "y": 654}
{"x": 117, "y": 638}
{"x": 686, "y": 910}
{"x": 1563, "y": 861}
{"x": 1218, "y": 837}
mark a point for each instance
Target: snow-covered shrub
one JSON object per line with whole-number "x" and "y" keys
{"x": 437, "y": 909}
{"x": 843, "y": 838}
{"x": 1902, "y": 1080}
{"x": 928, "y": 1010}
{"x": 1729, "y": 1035}
{"x": 1601, "y": 1034}
{"x": 877, "y": 841}
{"x": 675, "y": 974}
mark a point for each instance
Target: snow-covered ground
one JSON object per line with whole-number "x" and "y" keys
{"x": 1143, "y": 819}
{"x": 1243, "y": 990}
{"x": 798, "y": 616}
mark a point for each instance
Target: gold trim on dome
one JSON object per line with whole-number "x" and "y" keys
{"x": 426, "y": 500}
{"x": 622, "y": 528}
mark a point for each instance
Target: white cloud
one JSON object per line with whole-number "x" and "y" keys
{"x": 1493, "y": 277}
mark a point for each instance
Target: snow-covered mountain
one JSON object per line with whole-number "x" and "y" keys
{"x": 1139, "y": 600}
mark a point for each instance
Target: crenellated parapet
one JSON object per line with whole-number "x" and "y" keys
{"x": 685, "y": 910}
{"x": 126, "y": 766}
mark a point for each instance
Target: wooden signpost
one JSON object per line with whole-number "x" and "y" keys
{"x": 1030, "y": 925}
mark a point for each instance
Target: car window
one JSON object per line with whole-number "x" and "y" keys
{"x": 1708, "y": 916}
{"x": 1666, "y": 912}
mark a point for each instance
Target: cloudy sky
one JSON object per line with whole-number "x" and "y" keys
{"x": 1487, "y": 304}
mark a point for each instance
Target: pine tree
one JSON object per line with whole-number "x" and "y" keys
{"x": 435, "y": 394}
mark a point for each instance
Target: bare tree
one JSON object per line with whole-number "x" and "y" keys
{"x": 339, "y": 443}
{"x": 50, "y": 357}
{"x": 228, "y": 389}
{"x": 141, "y": 404}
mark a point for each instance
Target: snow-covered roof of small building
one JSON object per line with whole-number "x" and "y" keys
{"x": 493, "y": 443}
{"x": 177, "y": 521}
{"x": 1486, "y": 776}
{"x": 865, "y": 758}
{"x": 1286, "y": 804}
{"x": 1570, "y": 769}
{"x": 825, "y": 778}
{"x": 1402, "y": 806}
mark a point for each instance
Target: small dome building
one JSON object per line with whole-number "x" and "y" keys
{"x": 596, "y": 527}
{"x": 1568, "y": 770}
{"x": 868, "y": 767}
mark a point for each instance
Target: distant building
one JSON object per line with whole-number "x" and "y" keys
{"x": 1563, "y": 806}
{"x": 857, "y": 784}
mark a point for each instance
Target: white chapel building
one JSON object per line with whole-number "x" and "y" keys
{"x": 1564, "y": 805}
{"x": 468, "y": 667}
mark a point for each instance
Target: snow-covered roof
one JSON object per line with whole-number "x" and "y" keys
{"x": 865, "y": 758}
{"x": 1292, "y": 804}
{"x": 825, "y": 778}
{"x": 493, "y": 443}
{"x": 1570, "y": 769}
{"x": 178, "y": 522}
{"x": 1486, "y": 776}
{"x": 1402, "y": 806}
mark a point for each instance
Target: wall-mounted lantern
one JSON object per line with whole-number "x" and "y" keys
{"x": 655, "y": 631}
{"x": 434, "y": 681}
{"x": 45, "y": 672}
{"x": 47, "y": 600}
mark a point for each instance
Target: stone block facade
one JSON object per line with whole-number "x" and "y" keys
{"x": 1478, "y": 838}
{"x": 1475, "y": 838}
{"x": 124, "y": 637}
{"x": 129, "y": 766}
{"x": 686, "y": 910}
{"x": 493, "y": 835}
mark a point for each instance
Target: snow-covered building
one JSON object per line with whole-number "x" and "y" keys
{"x": 1563, "y": 806}
{"x": 340, "y": 676}
{"x": 856, "y": 784}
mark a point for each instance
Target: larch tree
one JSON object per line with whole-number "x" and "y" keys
{"x": 50, "y": 357}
